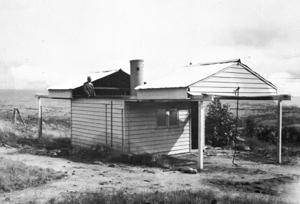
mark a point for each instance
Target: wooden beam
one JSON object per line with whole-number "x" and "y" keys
{"x": 157, "y": 100}
{"x": 266, "y": 97}
{"x": 50, "y": 97}
{"x": 201, "y": 133}
{"x": 40, "y": 119}
{"x": 110, "y": 88}
{"x": 201, "y": 97}
{"x": 279, "y": 130}
{"x": 284, "y": 97}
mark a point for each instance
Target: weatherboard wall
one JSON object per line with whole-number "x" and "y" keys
{"x": 60, "y": 93}
{"x": 227, "y": 80}
{"x": 98, "y": 121}
{"x": 144, "y": 136}
{"x": 162, "y": 93}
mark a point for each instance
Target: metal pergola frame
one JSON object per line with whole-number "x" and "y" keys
{"x": 201, "y": 117}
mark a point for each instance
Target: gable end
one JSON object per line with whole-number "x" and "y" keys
{"x": 227, "y": 80}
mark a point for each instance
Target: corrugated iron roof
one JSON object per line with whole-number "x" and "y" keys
{"x": 187, "y": 75}
{"x": 77, "y": 81}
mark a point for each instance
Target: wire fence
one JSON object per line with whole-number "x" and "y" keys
{"x": 28, "y": 115}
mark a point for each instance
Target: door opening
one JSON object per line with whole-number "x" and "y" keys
{"x": 194, "y": 123}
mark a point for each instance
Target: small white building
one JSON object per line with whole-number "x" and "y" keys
{"x": 165, "y": 116}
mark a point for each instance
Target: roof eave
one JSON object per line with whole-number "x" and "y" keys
{"x": 156, "y": 88}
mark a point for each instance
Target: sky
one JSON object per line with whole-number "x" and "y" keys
{"x": 43, "y": 43}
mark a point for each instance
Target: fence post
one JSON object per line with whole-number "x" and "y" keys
{"x": 279, "y": 121}
{"x": 20, "y": 117}
{"x": 14, "y": 117}
{"x": 40, "y": 119}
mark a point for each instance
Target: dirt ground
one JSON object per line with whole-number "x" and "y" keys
{"x": 251, "y": 178}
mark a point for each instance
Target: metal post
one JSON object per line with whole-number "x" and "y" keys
{"x": 40, "y": 119}
{"x": 279, "y": 130}
{"x": 201, "y": 133}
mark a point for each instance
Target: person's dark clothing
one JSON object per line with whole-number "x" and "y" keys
{"x": 89, "y": 89}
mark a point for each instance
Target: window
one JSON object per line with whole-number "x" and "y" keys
{"x": 173, "y": 117}
{"x": 166, "y": 118}
{"x": 161, "y": 117}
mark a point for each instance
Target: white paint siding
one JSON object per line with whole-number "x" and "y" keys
{"x": 168, "y": 93}
{"x": 227, "y": 80}
{"x": 98, "y": 121}
{"x": 144, "y": 135}
{"x": 60, "y": 93}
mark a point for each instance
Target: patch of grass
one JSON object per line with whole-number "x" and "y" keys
{"x": 61, "y": 147}
{"x": 10, "y": 138}
{"x": 15, "y": 175}
{"x": 263, "y": 186}
{"x": 48, "y": 143}
{"x": 175, "y": 197}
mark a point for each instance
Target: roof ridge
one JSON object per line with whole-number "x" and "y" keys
{"x": 103, "y": 71}
{"x": 217, "y": 62}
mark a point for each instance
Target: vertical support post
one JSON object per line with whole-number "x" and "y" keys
{"x": 71, "y": 121}
{"x": 127, "y": 123}
{"x": 122, "y": 115}
{"x": 111, "y": 124}
{"x": 40, "y": 119}
{"x": 279, "y": 130}
{"x": 106, "y": 124}
{"x": 203, "y": 125}
{"x": 190, "y": 129}
{"x": 201, "y": 132}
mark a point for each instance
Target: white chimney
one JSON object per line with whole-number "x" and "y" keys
{"x": 136, "y": 74}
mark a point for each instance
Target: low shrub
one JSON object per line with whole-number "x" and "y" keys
{"x": 291, "y": 134}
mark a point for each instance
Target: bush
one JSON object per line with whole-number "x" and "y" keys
{"x": 290, "y": 134}
{"x": 250, "y": 126}
{"x": 219, "y": 124}
{"x": 267, "y": 134}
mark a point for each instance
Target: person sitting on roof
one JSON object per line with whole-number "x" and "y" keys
{"x": 89, "y": 88}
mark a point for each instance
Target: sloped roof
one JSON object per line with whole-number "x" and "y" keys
{"x": 78, "y": 80}
{"x": 188, "y": 75}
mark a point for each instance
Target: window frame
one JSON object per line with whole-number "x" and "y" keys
{"x": 177, "y": 117}
{"x": 167, "y": 113}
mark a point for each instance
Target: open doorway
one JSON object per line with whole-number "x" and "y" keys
{"x": 194, "y": 123}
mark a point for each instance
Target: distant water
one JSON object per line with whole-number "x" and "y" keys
{"x": 25, "y": 100}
